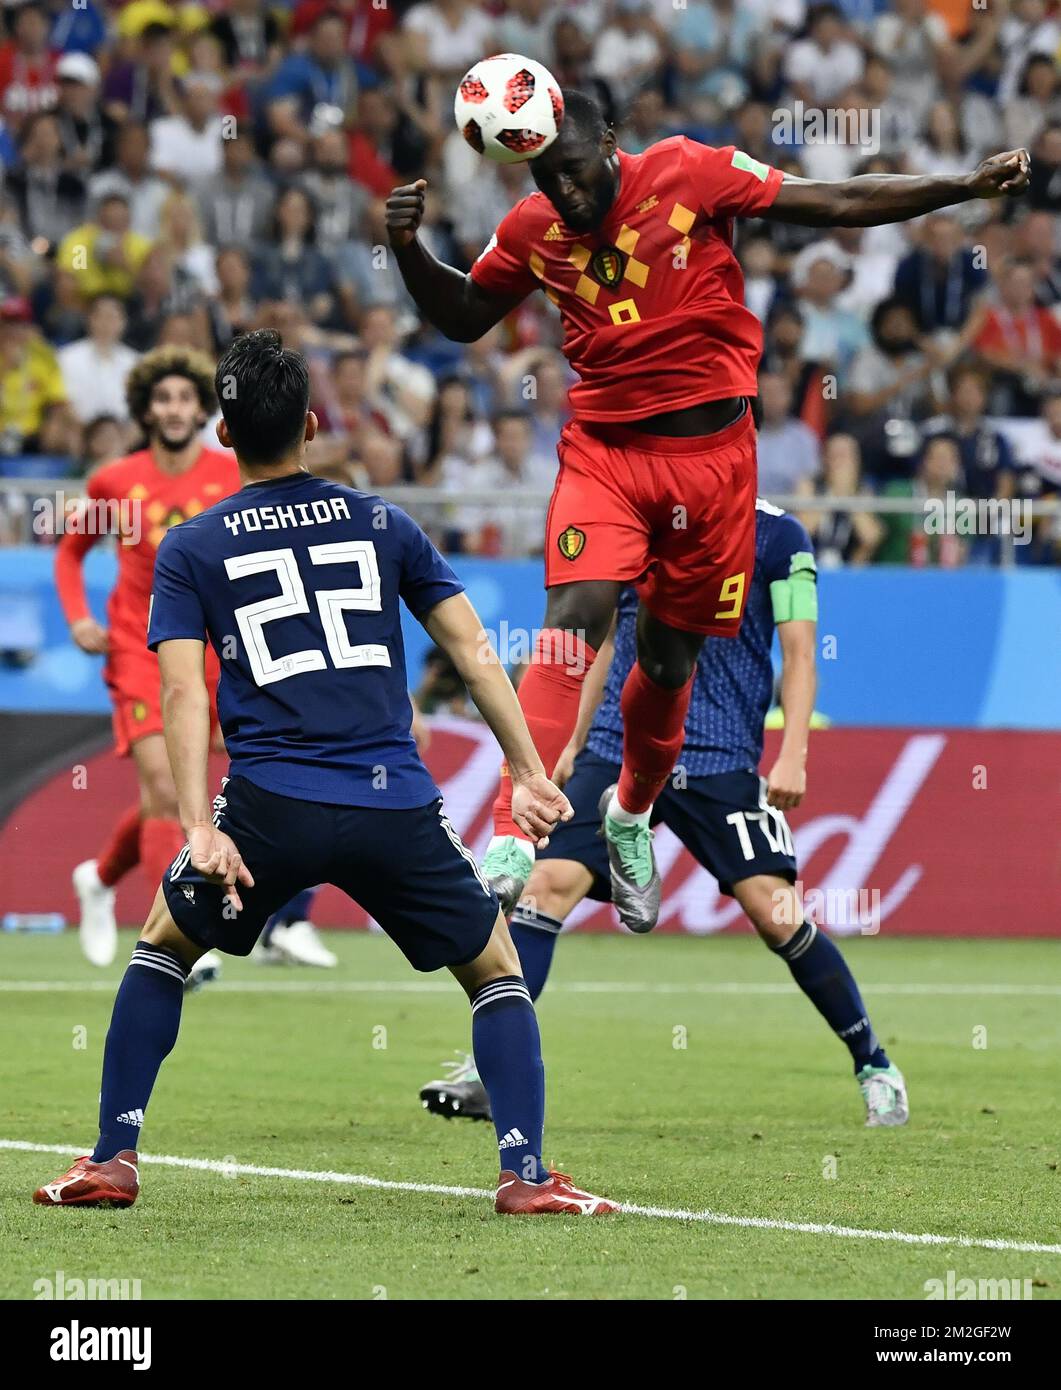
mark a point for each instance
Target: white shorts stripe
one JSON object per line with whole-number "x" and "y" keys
{"x": 462, "y": 850}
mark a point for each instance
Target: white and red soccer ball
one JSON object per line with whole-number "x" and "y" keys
{"x": 508, "y": 108}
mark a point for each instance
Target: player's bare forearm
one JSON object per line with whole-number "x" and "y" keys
{"x": 454, "y": 626}
{"x": 869, "y": 200}
{"x": 799, "y": 684}
{"x": 186, "y": 723}
{"x": 447, "y": 298}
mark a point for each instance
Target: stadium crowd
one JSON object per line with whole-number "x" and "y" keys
{"x": 175, "y": 173}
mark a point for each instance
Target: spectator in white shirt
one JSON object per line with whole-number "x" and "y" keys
{"x": 95, "y": 368}
{"x": 627, "y": 52}
{"x": 820, "y": 66}
{"x": 188, "y": 146}
{"x": 911, "y": 39}
{"x": 131, "y": 175}
{"x": 447, "y": 37}
{"x": 180, "y": 232}
{"x": 788, "y": 450}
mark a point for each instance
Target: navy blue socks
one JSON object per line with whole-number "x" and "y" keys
{"x": 508, "y": 1058}
{"x": 823, "y": 975}
{"x": 144, "y": 1024}
{"x": 534, "y": 936}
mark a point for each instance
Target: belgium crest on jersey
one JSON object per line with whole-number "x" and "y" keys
{"x": 607, "y": 266}
{"x": 571, "y": 541}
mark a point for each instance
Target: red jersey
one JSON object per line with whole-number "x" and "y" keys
{"x": 1035, "y": 337}
{"x": 161, "y": 500}
{"x": 652, "y": 301}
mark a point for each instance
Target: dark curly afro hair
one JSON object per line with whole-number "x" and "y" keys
{"x": 161, "y": 362}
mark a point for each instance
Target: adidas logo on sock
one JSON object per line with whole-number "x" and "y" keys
{"x": 512, "y": 1140}
{"x": 131, "y": 1117}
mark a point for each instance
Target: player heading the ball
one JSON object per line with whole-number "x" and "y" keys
{"x": 657, "y": 476}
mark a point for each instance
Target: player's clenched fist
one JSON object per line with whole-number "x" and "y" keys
{"x": 537, "y": 805}
{"x": 214, "y": 855}
{"x": 405, "y": 211}
{"x": 1002, "y": 175}
{"x": 90, "y": 636}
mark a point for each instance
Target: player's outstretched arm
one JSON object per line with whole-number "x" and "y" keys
{"x": 787, "y": 781}
{"x": 869, "y": 200}
{"x": 186, "y": 721}
{"x": 446, "y": 297}
{"x": 537, "y": 804}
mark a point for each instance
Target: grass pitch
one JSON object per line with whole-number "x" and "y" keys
{"x": 683, "y": 1074}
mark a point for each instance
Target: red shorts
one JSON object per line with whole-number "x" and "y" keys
{"x": 132, "y": 677}
{"x": 676, "y": 517}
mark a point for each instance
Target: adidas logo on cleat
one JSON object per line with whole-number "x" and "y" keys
{"x": 131, "y": 1117}
{"x": 512, "y": 1140}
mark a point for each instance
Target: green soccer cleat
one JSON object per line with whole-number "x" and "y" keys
{"x": 884, "y": 1091}
{"x": 507, "y": 866}
{"x": 461, "y": 1095}
{"x": 636, "y": 884}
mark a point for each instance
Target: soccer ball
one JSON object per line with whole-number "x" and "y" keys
{"x": 508, "y": 108}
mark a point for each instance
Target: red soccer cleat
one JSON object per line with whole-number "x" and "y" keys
{"x": 115, "y": 1183}
{"x": 559, "y": 1194}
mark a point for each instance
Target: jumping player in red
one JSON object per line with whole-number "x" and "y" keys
{"x": 138, "y": 498}
{"x": 657, "y": 472}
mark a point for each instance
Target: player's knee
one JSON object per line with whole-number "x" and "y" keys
{"x": 550, "y": 889}
{"x": 771, "y": 906}
{"x": 161, "y": 930}
{"x": 585, "y": 608}
{"x": 158, "y": 795}
{"x": 667, "y": 656}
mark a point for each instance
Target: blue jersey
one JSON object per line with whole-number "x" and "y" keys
{"x": 295, "y": 582}
{"x": 734, "y": 675}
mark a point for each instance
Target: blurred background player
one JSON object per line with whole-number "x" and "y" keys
{"x": 730, "y": 819}
{"x": 170, "y": 394}
{"x": 136, "y": 499}
{"x": 314, "y": 707}
{"x": 657, "y": 468}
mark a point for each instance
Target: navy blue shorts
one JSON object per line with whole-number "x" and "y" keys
{"x": 723, "y": 821}
{"x": 407, "y": 868}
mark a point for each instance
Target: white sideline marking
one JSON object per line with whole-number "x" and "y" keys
{"x": 709, "y": 987}
{"x": 712, "y": 1218}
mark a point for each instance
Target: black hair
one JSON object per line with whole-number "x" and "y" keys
{"x": 310, "y": 237}
{"x": 263, "y": 389}
{"x": 1034, "y": 60}
{"x": 886, "y": 307}
{"x": 583, "y": 115}
{"x": 510, "y": 412}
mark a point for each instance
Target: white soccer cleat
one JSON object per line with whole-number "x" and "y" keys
{"x": 98, "y": 931}
{"x": 299, "y": 944}
{"x": 205, "y": 970}
{"x": 261, "y": 954}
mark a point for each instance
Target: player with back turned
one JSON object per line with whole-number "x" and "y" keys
{"x": 657, "y": 468}
{"x": 295, "y": 582}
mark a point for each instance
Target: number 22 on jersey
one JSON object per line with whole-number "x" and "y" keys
{"x": 291, "y": 602}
